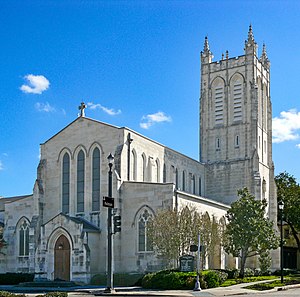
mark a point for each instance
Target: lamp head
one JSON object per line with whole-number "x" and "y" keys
{"x": 110, "y": 159}
{"x": 280, "y": 205}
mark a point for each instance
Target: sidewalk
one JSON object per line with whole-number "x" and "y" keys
{"x": 89, "y": 291}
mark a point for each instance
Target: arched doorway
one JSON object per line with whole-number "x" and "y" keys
{"x": 62, "y": 259}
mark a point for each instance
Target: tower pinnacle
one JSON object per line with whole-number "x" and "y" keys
{"x": 264, "y": 58}
{"x": 206, "y": 55}
{"x": 250, "y": 44}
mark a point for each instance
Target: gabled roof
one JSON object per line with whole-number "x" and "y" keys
{"x": 82, "y": 118}
{"x": 87, "y": 226}
{"x": 11, "y": 199}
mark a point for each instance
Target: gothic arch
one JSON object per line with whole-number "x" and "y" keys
{"x": 145, "y": 206}
{"x": 21, "y": 221}
{"x": 217, "y": 81}
{"x": 55, "y": 234}
{"x": 236, "y": 76}
{"x": 93, "y": 146}
{"x": 79, "y": 148}
{"x": 62, "y": 153}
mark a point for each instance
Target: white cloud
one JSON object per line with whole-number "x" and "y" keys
{"x": 298, "y": 146}
{"x": 150, "y": 119}
{"x": 36, "y": 84}
{"x": 286, "y": 126}
{"x": 44, "y": 107}
{"x": 109, "y": 111}
{"x": 1, "y": 165}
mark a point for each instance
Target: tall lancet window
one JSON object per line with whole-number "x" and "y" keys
{"x": 66, "y": 183}
{"x": 96, "y": 180}
{"x": 80, "y": 181}
{"x": 144, "y": 242}
{"x": 24, "y": 239}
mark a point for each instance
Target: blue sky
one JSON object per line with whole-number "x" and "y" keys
{"x": 137, "y": 65}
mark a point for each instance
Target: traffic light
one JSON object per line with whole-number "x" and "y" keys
{"x": 117, "y": 224}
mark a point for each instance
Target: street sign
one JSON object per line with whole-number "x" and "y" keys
{"x": 108, "y": 202}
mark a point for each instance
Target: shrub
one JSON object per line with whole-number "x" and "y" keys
{"x": 265, "y": 262}
{"x": 15, "y": 278}
{"x": 212, "y": 279}
{"x": 248, "y": 272}
{"x": 169, "y": 279}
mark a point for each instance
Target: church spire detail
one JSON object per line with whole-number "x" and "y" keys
{"x": 206, "y": 55}
{"x": 264, "y": 58}
{"x": 206, "y": 45}
{"x": 250, "y": 44}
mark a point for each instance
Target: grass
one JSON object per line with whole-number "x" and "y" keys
{"x": 236, "y": 281}
{"x": 288, "y": 280}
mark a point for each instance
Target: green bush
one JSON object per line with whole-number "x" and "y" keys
{"x": 15, "y": 278}
{"x": 120, "y": 279}
{"x": 212, "y": 279}
{"x": 175, "y": 280}
{"x": 169, "y": 280}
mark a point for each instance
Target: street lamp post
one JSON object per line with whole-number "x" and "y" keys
{"x": 109, "y": 288}
{"x": 281, "y": 206}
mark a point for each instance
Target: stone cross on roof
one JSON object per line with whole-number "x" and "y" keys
{"x": 82, "y": 107}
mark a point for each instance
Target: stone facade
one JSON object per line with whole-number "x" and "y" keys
{"x": 60, "y": 231}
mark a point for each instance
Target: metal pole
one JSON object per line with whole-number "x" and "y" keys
{"x": 109, "y": 288}
{"x": 281, "y": 247}
{"x": 197, "y": 284}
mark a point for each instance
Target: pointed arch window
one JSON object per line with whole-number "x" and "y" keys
{"x": 200, "y": 186}
{"x": 96, "y": 180}
{"x": 24, "y": 239}
{"x": 157, "y": 170}
{"x": 183, "y": 181}
{"x": 164, "y": 174}
{"x": 66, "y": 183}
{"x": 143, "y": 167}
{"x": 176, "y": 178}
{"x": 133, "y": 165}
{"x": 80, "y": 181}
{"x": 144, "y": 242}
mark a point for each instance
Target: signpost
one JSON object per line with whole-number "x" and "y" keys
{"x": 186, "y": 263}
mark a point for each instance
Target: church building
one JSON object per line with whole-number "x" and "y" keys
{"x": 60, "y": 231}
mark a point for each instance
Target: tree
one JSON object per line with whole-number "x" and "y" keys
{"x": 173, "y": 232}
{"x": 288, "y": 191}
{"x": 248, "y": 232}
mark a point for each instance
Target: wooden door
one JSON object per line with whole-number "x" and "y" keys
{"x": 62, "y": 259}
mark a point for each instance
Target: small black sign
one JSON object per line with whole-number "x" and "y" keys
{"x": 108, "y": 202}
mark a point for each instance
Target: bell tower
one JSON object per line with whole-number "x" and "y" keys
{"x": 236, "y": 124}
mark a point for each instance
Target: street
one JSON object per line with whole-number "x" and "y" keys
{"x": 284, "y": 293}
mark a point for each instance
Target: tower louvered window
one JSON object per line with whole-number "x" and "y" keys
{"x": 219, "y": 104}
{"x": 237, "y": 101}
